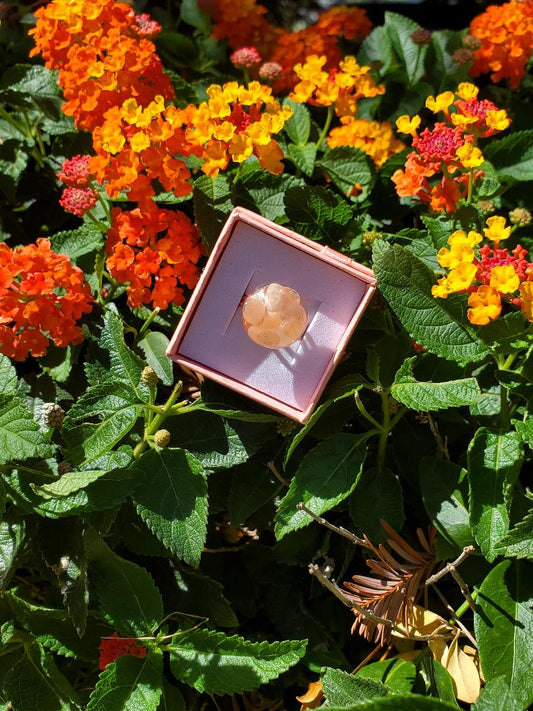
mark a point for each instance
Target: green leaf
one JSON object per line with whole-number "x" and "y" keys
{"x": 212, "y": 205}
{"x": 343, "y": 388}
{"x": 399, "y": 30}
{"x": 440, "y": 482}
{"x": 36, "y": 684}
{"x": 317, "y": 213}
{"x": 154, "y": 346}
{"x": 20, "y": 436}
{"x": 494, "y": 462}
{"x": 28, "y": 85}
{"x": 298, "y": 127}
{"x": 172, "y": 500}
{"x": 505, "y": 334}
{"x": 326, "y": 475}
{"x": 8, "y": 376}
{"x": 101, "y": 401}
{"x": 89, "y": 442}
{"x": 129, "y": 684}
{"x": 127, "y": 594}
{"x": 200, "y": 595}
{"x": 213, "y": 663}
{"x": 378, "y": 495}
{"x": 79, "y": 242}
{"x": 13, "y": 162}
{"x": 194, "y": 16}
{"x": 303, "y": 157}
{"x": 12, "y": 537}
{"x": 125, "y": 365}
{"x": 345, "y": 689}
{"x": 518, "y": 543}
{"x": 428, "y": 396}
{"x": 437, "y": 324}
{"x": 495, "y": 696}
{"x": 348, "y": 166}
{"x": 70, "y": 483}
{"x": 412, "y": 702}
{"x": 264, "y": 193}
{"x": 512, "y": 156}
{"x": 251, "y": 487}
{"x": 398, "y": 674}
{"x": 525, "y": 430}
{"x": 376, "y": 47}
{"x": 503, "y": 623}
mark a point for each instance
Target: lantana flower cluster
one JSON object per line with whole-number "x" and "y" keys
{"x": 42, "y": 296}
{"x": 153, "y": 249}
{"x": 236, "y": 122}
{"x": 505, "y": 33}
{"x": 375, "y": 138}
{"x": 78, "y": 197}
{"x": 490, "y": 275}
{"x": 244, "y": 23}
{"x": 449, "y": 151}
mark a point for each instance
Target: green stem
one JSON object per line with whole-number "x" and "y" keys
{"x": 147, "y": 323}
{"x": 466, "y": 605}
{"x": 470, "y": 186}
{"x": 103, "y": 228}
{"x": 386, "y": 428}
{"x": 362, "y": 409}
{"x": 166, "y": 411}
{"x": 329, "y": 119}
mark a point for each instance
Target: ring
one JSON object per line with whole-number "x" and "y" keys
{"x": 273, "y": 316}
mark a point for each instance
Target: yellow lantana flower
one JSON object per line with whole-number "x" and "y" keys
{"x": 466, "y": 91}
{"x": 441, "y": 102}
{"x": 496, "y": 229}
{"x": 461, "y": 277}
{"x": 469, "y": 155}
{"x": 504, "y": 279}
{"x": 485, "y": 306}
{"x": 404, "y": 124}
{"x": 526, "y": 296}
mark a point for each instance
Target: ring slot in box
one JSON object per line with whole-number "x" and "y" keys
{"x": 252, "y": 251}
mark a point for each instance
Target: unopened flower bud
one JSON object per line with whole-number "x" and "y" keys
{"x": 149, "y": 376}
{"x": 64, "y": 467}
{"x": 370, "y": 236}
{"x": 471, "y": 42}
{"x": 520, "y": 216}
{"x": 52, "y": 414}
{"x": 487, "y": 206}
{"x": 245, "y": 57}
{"x": 421, "y": 36}
{"x": 270, "y": 71}
{"x": 162, "y": 438}
{"x": 285, "y": 427}
{"x": 463, "y": 56}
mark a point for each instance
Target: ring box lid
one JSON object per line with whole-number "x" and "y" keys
{"x": 252, "y": 251}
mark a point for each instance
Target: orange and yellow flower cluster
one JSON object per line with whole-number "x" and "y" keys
{"x": 488, "y": 274}
{"x": 506, "y": 36}
{"x": 236, "y": 122}
{"x": 42, "y": 295}
{"x": 153, "y": 249}
{"x": 244, "y": 23}
{"x": 341, "y": 88}
{"x": 449, "y": 150}
{"x": 377, "y": 139}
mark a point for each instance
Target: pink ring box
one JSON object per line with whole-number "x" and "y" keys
{"x": 252, "y": 251}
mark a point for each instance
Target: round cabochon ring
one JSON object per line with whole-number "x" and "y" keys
{"x": 273, "y": 316}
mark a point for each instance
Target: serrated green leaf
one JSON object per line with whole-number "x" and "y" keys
{"x": 440, "y": 486}
{"x": 79, "y": 242}
{"x": 13, "y": 162}
{"x": 264, "y": 193}
{"x": 503, "y": 623}
{"x": 172, "y": 500}
{"x": 125, "y": 365}
{"x": 129, "y": 684}
{"x": 378, "y": 495}
{"x": 213, "y": 663}
{"x": 298, "y": 126}
{"x": 411, "y": 55}
{"x": 70, "y": 483}
{"x": 200, "y": 595}
{"x": 397, "y": 674}
{"x": 303, "y": 156}
{"x": 512, "y": 156}
{"x": 12, "y": 536}
{"x": 127, "y": 594}
{"x": 191, "y": 13}
{"x": 376, "y": 47}
{"x": 412, "y": 702}
{"x": 89, "y": 442}
{"x": 505, "y": 334}
{"x": 427, "y": 396}
{"x": 317, "y": 213}
{"x": 36, "y": 684}
{"x": 525, "y": 430}
{"x": 251, "y": 487}
{"x": 495, "y": 696}
{"x": 348, "y": 166}
{"x": 344, "y": 689}
{"x": 494, "y": 462}
{"x": 27, "y": 85}
{"x": 326, "y": 475}
{"x": 518, "y": 542}
{"x": 154, "y": 346}
{"x": 212, "y": 205}
{"x": 8, "y": 376}
{"x": 101, "y": 401}
{"x": 20, "y": 436}
{"x": 437, "y": 324}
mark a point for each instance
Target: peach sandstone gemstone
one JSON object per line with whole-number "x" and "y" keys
{"x": 273, "y": 316}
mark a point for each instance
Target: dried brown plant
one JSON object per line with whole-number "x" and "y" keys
{"x": 391, "y": 592}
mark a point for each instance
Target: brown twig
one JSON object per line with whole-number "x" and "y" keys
{"x": 442, "y": 444}
{"x": 452, "y": 569}
{"x": 337, "y": 529}
{"x": 276, "y": 473}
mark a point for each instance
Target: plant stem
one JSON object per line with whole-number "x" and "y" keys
{"x": 385, "y": 429}
{"x": 329, "y": 119}
{"x": 470, "y": 186}
{"x": 148, "y": 322}
{"x": 166, "y": 410}
{"x": 466, "y": 604}
{"x": 362, "y": 409}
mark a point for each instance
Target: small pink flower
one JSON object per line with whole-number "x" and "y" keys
{"x": 146, "y": 27}
{"x": 78, "y": 200}
{"x": 245, "y": 57}
{"x": 75, "y": 171}
{"x": 270, "y": 71}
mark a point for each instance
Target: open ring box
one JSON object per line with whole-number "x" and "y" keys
{"x": 252, "y": 251}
